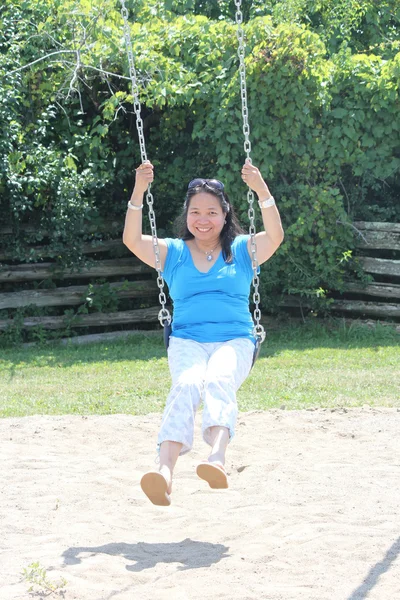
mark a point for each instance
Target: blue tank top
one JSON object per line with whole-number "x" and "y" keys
{"x": 212, "y": 306}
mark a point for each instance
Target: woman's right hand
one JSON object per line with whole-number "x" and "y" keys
{"x": 144, "y": 176}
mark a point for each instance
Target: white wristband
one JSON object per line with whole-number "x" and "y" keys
{"x": 133, "y": 207}
{"x": 267, "y": 203}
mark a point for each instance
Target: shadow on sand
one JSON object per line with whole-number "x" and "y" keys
{"x": 371, "y": 580}
{"x": 188, "y": 553}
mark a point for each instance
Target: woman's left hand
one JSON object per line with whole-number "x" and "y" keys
{"x": 253, "y": 178}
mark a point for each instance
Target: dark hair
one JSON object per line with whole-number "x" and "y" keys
{"x": 231, "y": 228}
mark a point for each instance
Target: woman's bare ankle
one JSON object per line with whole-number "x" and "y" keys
{"x": 167, "y": 474}
{"x": 217, "y": 457}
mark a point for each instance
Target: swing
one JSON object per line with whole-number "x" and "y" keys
{"x": 164, "y": 315}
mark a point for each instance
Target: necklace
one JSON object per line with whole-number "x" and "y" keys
{"x": 208, "y": 253}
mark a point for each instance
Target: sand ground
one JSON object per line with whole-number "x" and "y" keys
{"x": 312, "y": 512}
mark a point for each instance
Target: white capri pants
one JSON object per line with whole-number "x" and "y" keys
{"x": 212, "y": 372}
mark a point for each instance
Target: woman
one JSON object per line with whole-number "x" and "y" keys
{"x": 209, "y": 272}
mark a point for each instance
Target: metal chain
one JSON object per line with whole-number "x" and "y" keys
{"x": 164, "y": 315}
{"x": 258, "y": 330}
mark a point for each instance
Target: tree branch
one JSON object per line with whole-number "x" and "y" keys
{"x": 83, "y": 65}
{"x": 339, "y": 222}
{"x": 40, "y": 59}
{"x": 346, "y": 194}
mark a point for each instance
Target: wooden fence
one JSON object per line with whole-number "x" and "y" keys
{"x": 379, "y": 299}
{"x": 70, "y": 288}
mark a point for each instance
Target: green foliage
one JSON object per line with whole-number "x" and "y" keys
{"x": 39, "y": 582}
{"x": 323, "y": 94}
{"x": 362, "y": 25}
{"x": 16, "y": 333}
{"x": 102, "y": 298}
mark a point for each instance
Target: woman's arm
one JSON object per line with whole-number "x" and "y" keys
{"x": 269, "y": 240}
{"x": 133, "y": 238}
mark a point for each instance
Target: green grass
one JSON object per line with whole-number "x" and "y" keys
{"x": 308, "y": 366}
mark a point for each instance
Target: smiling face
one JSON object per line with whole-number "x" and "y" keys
{"x": 205, "y": 217}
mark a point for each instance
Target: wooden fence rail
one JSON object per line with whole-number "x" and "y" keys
{"x": 75, "y": 295}
{"x": 378, "y": 236}
{"x": 382, "y": 290}
{"x": 376, "y": 310}
{"x": 126, "y": 317}
{"x": 380, "y": 266}
{"x": 89, "y": 248}
{"x": 103, "y": 268}
{"x": 382, "y": 310}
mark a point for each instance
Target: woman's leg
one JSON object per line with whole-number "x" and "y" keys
{"x": 219, "y": 440}
{"x": 213, "y": 470}
{"x": 187, "y": 362}
{"x": 169, "y": 453}
{"x": 228, "y": 367}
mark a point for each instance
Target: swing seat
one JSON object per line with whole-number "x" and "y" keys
{"x": 167, "y": 333}
{"x": 257, "y": 349}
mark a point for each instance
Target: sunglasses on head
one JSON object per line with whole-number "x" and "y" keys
{"x": 212, "y": 183}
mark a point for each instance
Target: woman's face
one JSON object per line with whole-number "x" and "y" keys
{"x": 205, "y": 217}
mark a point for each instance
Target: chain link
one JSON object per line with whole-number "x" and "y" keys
{"x": 164, "y": 315}
{"x": 258, "y": 330}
